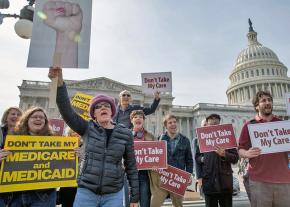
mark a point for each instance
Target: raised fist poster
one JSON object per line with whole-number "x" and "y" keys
{"x": 64, "y": 28}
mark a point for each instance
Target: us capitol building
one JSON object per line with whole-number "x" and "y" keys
{"x": 256, "y": 68}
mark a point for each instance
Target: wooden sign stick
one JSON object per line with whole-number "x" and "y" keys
{"x": 53, "y": 84}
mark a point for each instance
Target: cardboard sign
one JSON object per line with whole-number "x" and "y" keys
{"x": 38, "y": 162}
{"x": 152, "y": 82}
{"x": 210, "y": 137}
{"x": 270, "y": 137}
{"x": 287, "y": 96}
{"x": 62, "y": 27}
{"x": 150, "y": 154}
{"x": 174, "y": 180}
{"x": 81, "y": 102}
{"x": 57, "y": 126}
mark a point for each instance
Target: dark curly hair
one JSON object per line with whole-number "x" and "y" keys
{"x": 259, "y": 94}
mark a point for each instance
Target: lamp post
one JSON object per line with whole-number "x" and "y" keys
{"x": 23, "y": 27}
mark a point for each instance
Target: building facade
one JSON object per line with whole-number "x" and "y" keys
{"x": 256, "y": 68}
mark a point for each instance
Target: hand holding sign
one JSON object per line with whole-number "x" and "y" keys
{"x": 253, "y": 152}
{"x": 4, "y": 154}
{"x": 220, "y": 151}
{"x": 157, "y": 95}
{"x": 56, "y": 73}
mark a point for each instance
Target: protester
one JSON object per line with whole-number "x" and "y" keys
{"x": 198, "y": 168}
{"x": 140, "y": 134}
{"x": 178, "y": 155}
{"x": 269, "y": 176}
{"x": 216, "y": 173}
{"x": 125, "y": 108}
{"x": 101, "y": 174}
{"x": 8, "y": 122}
{"x": 67, "y": 194}
{"x": 34, "y": 122}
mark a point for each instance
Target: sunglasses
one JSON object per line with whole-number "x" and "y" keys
{"x": 100, "y": 105}
{"x": 125, "y": 94}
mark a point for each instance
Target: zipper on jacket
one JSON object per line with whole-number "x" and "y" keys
{"x": 103, "y": 162}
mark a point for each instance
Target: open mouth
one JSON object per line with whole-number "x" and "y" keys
{"x": 104, "y": 113}
{"x": 37, "y": 124}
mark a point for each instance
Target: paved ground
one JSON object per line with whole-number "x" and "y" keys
{"x": 192, "y": 199}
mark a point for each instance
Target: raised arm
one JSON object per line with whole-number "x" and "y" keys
{"x": 153, "y": 106}
{"x": 72, "y": 119}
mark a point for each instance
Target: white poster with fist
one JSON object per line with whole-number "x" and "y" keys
{"x": 62, "y": 27}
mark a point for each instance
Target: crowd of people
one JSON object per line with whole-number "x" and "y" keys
{"x": 108, "y": 175}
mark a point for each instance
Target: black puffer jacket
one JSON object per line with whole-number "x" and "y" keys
{"x": 216, "y": 172}
{"x": 101, "y": 168}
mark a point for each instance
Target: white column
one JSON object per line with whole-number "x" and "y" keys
{"x": 236, "y": 96}
{"x": 188, "y": 128}
{"x": 276, "y": 87}
{"x": 158, "y": 124}
{"x": 283, "y": 88}
{"x": 251, "y": 92}
{"x": 180, "y": 127}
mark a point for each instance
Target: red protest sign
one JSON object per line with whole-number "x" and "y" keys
{"x": 57, "y": 126}
{"x": 210, "y": 137}
{"x": 150, "y": 154}
{"x": 174, "y": 180}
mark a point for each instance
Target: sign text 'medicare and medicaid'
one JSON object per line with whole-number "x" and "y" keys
{"x": 174, "y": 180}
{"x": 152, "y": 82}
{"x": 81, "y": 102}
{"x": 210, "y": 137}
{"x": 270, "y": 137}
{"x": 38, "y": 162}
{"x": 150, "y": 154}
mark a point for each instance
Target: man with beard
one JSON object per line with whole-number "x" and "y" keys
{"x": 269, "y": 175}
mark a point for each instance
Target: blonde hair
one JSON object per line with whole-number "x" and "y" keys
{"x": 22, "y": 125}
{"x": 6, "y": 112}
{"x": 167, "y": 117}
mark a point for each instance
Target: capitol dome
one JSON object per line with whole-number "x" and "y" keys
{"x": 257, "y": 68}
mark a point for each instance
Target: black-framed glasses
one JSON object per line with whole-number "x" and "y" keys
{"x": 126, "y": 94}
{"x": 100, "y": 105}
{"x": 37, "y": 117}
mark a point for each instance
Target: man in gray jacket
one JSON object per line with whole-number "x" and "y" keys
{"x": 125, "y": 108}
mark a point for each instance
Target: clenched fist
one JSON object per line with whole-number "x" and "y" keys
{"x": 66, "y": 19}
{"x": 63, "y": 16}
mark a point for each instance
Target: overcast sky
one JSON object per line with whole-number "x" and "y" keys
{"x": 197, "y": 40}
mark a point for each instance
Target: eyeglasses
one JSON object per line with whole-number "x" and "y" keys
{"x": 125, "y": 94}
{"x": 37, "y": 117}
{"x": 105, "y": 104}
